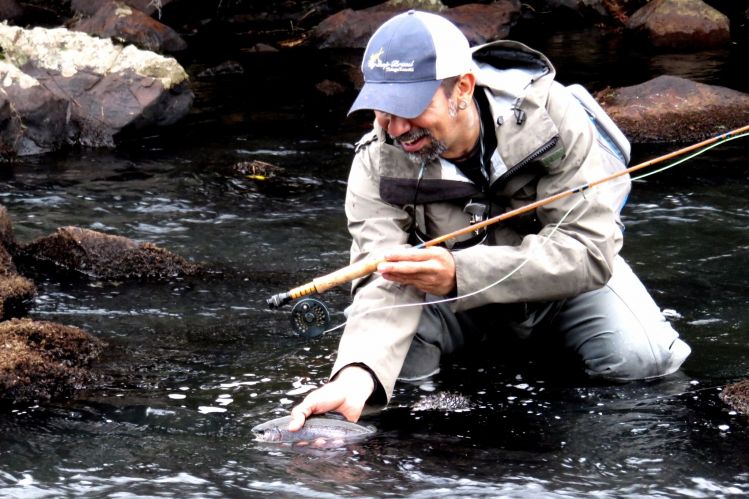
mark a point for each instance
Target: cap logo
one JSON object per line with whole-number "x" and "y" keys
{"x": 375, "y": 62}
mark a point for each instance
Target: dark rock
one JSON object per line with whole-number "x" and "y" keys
{"x": 89, "y": 7}
{"x": 127, "y": 24}
{"x": 9, "y": 9}
{"x": 32, "y": 119}
{"x": 580, "y": 13}
{"x": 105, "y": 88}
{"x": 261, "y": 48}
{"x": 674, "y": 109}
{"x": 736, "y": 395}
{"x": 353, "y": 28}
{"x": 42, "y": 360}
{"x": 482, "y": 23}
{"x": 225, "y": 68}
{"x": 680, "y": 24}
{"x": 330, "y": 88}
{"x": 107, "y": 257}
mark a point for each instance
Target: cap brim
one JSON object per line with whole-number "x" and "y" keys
{"x": 406, "y": 100}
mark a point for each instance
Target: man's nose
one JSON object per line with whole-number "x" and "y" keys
{"x": 397, "y": 126}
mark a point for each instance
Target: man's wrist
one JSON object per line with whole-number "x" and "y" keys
{"x": 358, "y": 374}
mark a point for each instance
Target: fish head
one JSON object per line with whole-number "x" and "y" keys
{"x": 269, "y": 435}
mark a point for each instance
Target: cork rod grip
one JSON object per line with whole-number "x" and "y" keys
{"x": 346, "y": 274}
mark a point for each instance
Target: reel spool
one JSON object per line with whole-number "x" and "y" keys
{"x": 310, "y": 318}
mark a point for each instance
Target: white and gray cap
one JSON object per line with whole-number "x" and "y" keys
{"x": 405, "y": 61}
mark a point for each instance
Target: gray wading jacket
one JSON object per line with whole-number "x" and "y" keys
{"x": 546, "y": 144}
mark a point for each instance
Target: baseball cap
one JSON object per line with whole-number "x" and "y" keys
{"x": 405, "y": 60}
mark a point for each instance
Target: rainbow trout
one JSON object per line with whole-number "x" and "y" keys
{"x": 318, "y": 431}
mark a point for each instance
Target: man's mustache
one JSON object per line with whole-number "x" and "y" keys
{"x": 412, "y": 135}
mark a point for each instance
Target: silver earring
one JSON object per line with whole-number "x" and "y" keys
{"x": 462, "y": 105}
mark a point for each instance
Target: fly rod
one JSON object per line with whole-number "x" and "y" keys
{"x": 369, "y": 266}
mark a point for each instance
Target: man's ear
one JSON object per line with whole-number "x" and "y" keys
{"x": 465, "y": 87}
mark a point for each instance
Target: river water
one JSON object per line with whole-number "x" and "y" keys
{"x": 192, "y": 365}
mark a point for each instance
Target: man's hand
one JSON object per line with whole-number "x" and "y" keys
{"x": 431, "y": 270}
{"x": 346, "y": 394}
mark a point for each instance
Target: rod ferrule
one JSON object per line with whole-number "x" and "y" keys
{"x": 278, "y": 300}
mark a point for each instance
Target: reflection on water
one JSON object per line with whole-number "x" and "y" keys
{"x": 193, "y": 364}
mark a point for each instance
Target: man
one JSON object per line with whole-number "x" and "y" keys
{"x": 461, "y": 135}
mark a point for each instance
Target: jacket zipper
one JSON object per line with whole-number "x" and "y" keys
{"x": 501, "y": 181}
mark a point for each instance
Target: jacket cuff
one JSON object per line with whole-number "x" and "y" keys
{"x": 378, "y": 398}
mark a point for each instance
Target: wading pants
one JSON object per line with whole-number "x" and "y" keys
{"x": 615, "y": 333}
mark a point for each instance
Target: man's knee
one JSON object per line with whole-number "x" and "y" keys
{"x": 616, "y": 356}
{"x": 620, "y": 333}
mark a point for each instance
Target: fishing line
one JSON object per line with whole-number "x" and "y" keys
{"x": 546, "y": 239}
{"x": 693, "y": 155}
{"x": 310, "y": 316}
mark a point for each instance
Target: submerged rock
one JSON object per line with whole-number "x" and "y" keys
{"x": 444, "y": 402}
{"x": 105, "y": 256}
{"x": 736, "y": 395}
{"x": 41, "y": 360}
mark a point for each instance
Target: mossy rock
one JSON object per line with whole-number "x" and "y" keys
{"x": 736, "y": 395}
{"x": 41, "y": 360}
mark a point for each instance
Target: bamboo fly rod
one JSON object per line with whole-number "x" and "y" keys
{"x": 366, "y": 267}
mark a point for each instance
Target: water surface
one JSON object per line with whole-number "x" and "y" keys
{"x": 193, "y": 364}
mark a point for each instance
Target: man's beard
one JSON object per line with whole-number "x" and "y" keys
{"x": 427, "y": 153}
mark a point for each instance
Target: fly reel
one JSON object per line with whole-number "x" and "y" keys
{"x": 310, "y": 318}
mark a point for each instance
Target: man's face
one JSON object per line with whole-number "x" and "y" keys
{"x": 435, "y": 132}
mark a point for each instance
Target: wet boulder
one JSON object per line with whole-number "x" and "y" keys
{"x": 680, "y": 24}
{"x": 107, "y": 257}
{"x": 107, "y": 88}
{"x": 32, "y": 119}
{"x": 123, "y": 23}
{"x": 736, "y": 396}
{"x": 480, "y": 22}
{"x": 42, "y": 360}
{"x": 673, "y": 109}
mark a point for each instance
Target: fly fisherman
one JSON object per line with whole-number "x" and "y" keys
{"x": 461, "y": 135}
